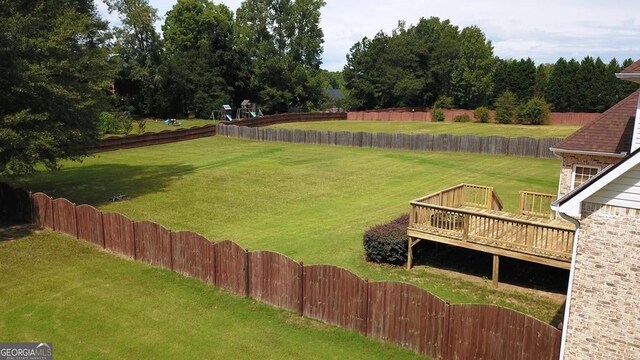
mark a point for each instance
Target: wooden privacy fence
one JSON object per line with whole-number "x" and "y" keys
{"x": 148, "y": 139}
{"x": 422, "y": 114}
{"x": 289, "y": 118}
{"x": 519, "y": 146}
{"x": 394, "y": 312}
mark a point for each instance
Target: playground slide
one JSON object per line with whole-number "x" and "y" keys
{"x": 229, "y": 117}
{"x": 252, "y": 114}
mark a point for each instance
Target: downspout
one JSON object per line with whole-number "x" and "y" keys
{"x": 567, "y": 308}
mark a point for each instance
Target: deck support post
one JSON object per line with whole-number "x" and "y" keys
{"x": 409, "y": 252}
{"x": 496, "y": 271}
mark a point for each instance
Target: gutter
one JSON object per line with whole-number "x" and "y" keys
{"x": 582, "y": 152}
{"x": 567, "y": 308}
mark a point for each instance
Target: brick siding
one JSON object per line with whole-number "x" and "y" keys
{"x": 568, "y": 160}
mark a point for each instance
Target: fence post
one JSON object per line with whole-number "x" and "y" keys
{"x": 247, "y": 273}
{"x": 365, "y": 304}
{"x": 301, "y": 288}
{"x": 170, "y": 249}
{"x": 447, "y": 331}
{"x": 75, "y": 212}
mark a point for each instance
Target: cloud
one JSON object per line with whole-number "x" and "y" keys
{"x": 543, "y": 30}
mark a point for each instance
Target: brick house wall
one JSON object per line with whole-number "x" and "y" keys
{"x": 604, "y": 316}
{"x": 568, "y": 160}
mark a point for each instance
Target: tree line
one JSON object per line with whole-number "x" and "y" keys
{"x": 62, "y": 67}
{"x": 434, "y": 63}
{"x": 268, "y": 52}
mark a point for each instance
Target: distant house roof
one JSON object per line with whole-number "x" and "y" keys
{"x": 335, "y": 94}
{"x": 609, "y": 134}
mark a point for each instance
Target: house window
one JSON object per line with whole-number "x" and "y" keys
{"x": 582, "y": 173}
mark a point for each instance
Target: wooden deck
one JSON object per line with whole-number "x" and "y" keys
{"x": 471, "y": 216}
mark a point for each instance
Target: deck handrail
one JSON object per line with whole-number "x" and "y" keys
{"x": 461, "y": 192}
{"x": 536, "y": 204}
{"x": 496, "y": 216}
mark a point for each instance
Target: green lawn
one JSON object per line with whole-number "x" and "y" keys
{"x": 420, "y": 127}
{"x": 310, "y": 202}
{"x": 94, "y": 305}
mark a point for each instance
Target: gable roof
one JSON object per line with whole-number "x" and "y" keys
{"x": 633, "y": 68}
{"x": 610, "y": 173}
{"x": 609, "y": 134}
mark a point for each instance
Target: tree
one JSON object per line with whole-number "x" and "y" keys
{"x": 543, "y": 73}
{"x": 200, "y": 61}
{"x": 54, "y": 79}
{"x": 562, "y": 91}
{"x": 536, "y": 111}
{"x": 625, "y": 88}
{"x": 472, "y": 75}
{"x": 283, "y": 42}
{"x": 517, "y": 76}
{"x": 139, "y": 48}
{"x": 506, "y": 106}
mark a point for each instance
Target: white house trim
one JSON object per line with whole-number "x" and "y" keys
{"x": 573, "y": 199}
{"x": 634, "y": 77}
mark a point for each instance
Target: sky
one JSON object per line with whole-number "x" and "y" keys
{"x": 543, "y": 30}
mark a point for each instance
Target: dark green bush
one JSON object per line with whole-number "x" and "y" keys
{"x": 115, "y": 123}
{"x": 437, "y": 114}
{"x": 534, "y": 112}
{"x": 444, "y": 102}
{"x": 506, "y": 106}
{"x": 387, "y": 243}
{"x": 462, "y": 118}
{"x": 482, "y": 114}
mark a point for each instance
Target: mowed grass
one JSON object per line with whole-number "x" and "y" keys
{"x": 310, "y": 202}
{"x": 421, "y": 127}
{"x": 94, "y": 305}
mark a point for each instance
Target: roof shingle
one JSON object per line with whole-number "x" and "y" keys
{"x": 633, "y": 68}
{"x": 609, "y": 133}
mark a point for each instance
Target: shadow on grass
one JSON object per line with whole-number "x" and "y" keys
{"x": 99, "y": 184}
{"x": 10, "y": 230}
{"x": 476, "y": 263}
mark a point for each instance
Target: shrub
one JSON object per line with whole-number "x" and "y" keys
{"x": 482, "y": 114}
{"x": 536, "y": 111}
{"x": 114, "y": 123}
{"x": 437, "y": 114}
{"x": 388, "y": 242}
{"x": 444, "y": 102}
{"x": 142, "y": 125}
{"x": 462, "y": 118}
{"x": 506, "y": 106}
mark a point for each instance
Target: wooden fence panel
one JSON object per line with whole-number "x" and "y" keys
{"x": 445, "y": 142}
{"x": 275, "y": 279}
{"x": 153, "y": 244}
{"x": 231, "y": 267}
{"x": 491, "y": 332}
{"x": 90, "y": 225}
{"x": 118, "y": 234}
{"x": 42, "y": 210}
{"x": 470, "y": 143}
{"x": 545, "y": 144}
{"x": 495, "y": 145}
{"x": 408, "y": 316}
{"x": 335, "y": 295}
{"x": 193, "y": 255}
{"x": 64, "y": 216}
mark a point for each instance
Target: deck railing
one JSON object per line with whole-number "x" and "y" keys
{"x": 479, "y": 196}
{"x": 536, "y": 204}
{"x": 442, "y": 215}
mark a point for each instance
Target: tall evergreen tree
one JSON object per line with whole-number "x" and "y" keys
{"x": 55, "y": 77}
{"x": 626, "y": 87}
